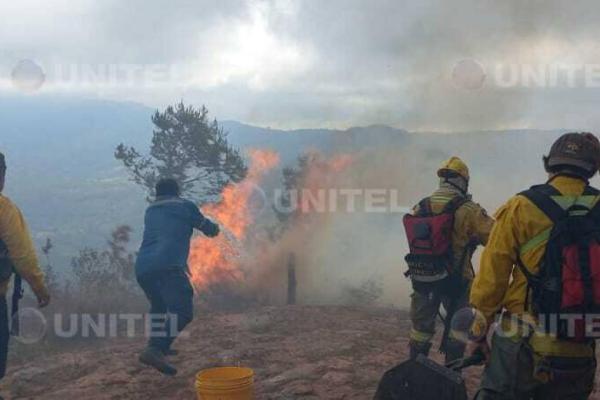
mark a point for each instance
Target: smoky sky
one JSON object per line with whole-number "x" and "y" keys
{"x": 421, "y": 65}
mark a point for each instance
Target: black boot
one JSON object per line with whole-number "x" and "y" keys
{"x": 171, "y": 352}
{"x": 417, "y": 348}
{"x": 155, "y": 358}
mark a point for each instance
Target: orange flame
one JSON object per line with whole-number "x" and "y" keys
{"x": 340, "y": 162}
{"x": 214, "y": 260}
{"x": 323, "y": 173}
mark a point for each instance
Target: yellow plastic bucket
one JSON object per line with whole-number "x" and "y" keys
{"x": 225, "y": 383}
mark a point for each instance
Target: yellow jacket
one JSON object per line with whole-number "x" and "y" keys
{"x": 472, "y": 226}
{"x": 500, "y": 285}
{"x": 15, "y": 234}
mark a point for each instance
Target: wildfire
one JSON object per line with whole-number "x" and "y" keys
{"x": 218, "y": 259}
{"x": 321, "y": 173}
{"x": 340, "y": 162}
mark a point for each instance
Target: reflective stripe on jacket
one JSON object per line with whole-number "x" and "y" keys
{"x": 500, "y": 285}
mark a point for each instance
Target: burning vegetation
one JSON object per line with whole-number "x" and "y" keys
{"x": 249, "y": 260}
{"x": 218, "y": 261}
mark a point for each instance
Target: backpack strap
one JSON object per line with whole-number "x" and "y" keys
{"x": 595, "y": 211}
{"x": 453, "y": 205}
{"x": 591, "y": 191}
{"x": 541, "y": 197}
{"x": 425, "y": 209}
{"x": 589, "y": 207}
{"x": 586, "y": 204}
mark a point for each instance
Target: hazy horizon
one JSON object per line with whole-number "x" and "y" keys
{"x": 290, "y": 64}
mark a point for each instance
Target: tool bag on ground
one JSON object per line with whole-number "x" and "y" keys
{"x": 424, "y": 379}
{"x": 430, "y": 241}
{"x": 565, "y": 293}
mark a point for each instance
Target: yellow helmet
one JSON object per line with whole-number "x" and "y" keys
{"x": 454, "y": 166}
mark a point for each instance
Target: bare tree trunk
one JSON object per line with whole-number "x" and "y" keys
{"x": 292, "y": 283}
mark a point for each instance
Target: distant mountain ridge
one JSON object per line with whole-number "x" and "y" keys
{"x": 63, "y": 174}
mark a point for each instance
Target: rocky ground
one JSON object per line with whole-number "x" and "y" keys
{"x": 297, "y": 352}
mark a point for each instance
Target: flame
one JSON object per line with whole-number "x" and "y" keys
{"x": 321, "y": 173}
{"x": 216, "y": 260}
{"x": 305, "y": 226}
{"x": 340, "y": 162}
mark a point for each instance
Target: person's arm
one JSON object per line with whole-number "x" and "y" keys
{"x": 490, "y": 284}
{"x": 481, "y": 225}
{"x": 497, "y": 262}
{"x": 15, "y": 235}
{"x": 203, "y": 224}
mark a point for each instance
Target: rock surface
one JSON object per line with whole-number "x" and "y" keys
{"x": 299, "y": 352}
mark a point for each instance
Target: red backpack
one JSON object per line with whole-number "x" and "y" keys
{"x": 566, "y": 290}
{"x": 430, "y": 241}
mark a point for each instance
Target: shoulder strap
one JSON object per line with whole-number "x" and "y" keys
{"x": 425, "y": 208}
{"x": 541, "y": 196}
{"x": 453, "y": 205}
{"x": 591, "y": 191}
{"x": 595, "y": 211}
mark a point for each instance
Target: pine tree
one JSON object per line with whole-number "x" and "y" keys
{"x": 188, "y": 147}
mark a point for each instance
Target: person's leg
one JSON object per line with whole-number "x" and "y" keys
{"x": 423, "y": 311}
{"x": 509, "y": 373}
{"x": 4, "y": 335}
{"x": 457, "y": 336}
{"x": 177, "y": 294}
{"x": 152, "y": 355}
{"x": 151, "y": 285}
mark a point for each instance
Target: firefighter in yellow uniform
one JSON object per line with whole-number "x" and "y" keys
{"x": 525, "y": 362}
{"x": 16, "y": 251}
{"x": 472, "y": 226}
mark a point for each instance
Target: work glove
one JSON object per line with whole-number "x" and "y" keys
{"x": 211, "y": 229}
{"x": 478, "y": 335}
{"x": 43, "y": 298}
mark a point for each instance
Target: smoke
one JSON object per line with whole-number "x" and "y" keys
{"x": 333, "y": 64}
{"x": 345, "y": 251}
{"x": 339, "y": 252}
{"x": 404, "y": 56}
{"x": 348, "y": 253}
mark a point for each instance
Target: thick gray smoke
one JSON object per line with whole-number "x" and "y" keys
{"x": 357, "y": 257}
{"x": 351, "y": 251}
{"x": 337, "y": 63}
